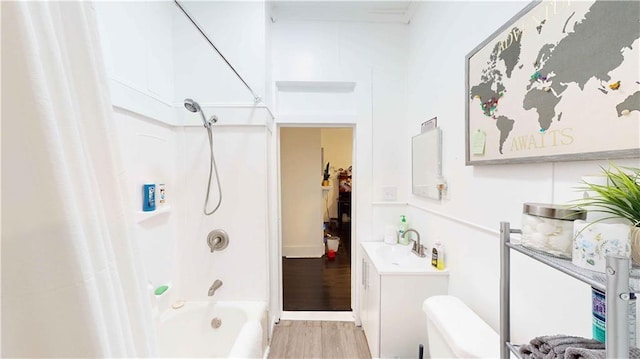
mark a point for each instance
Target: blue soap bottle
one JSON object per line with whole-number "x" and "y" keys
{"x": 148, "y": 197}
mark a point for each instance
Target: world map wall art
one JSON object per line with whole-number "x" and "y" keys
{"x": 559, "y": 82}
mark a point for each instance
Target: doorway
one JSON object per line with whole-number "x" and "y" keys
{"x": 316, "y": 217}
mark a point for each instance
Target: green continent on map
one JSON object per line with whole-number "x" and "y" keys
{"x": 511, "y": 55}
{"x": 631, "y": 103}
{"x": 504, "y": 125}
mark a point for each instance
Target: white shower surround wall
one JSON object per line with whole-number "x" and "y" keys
{"x": 150, "y": 151}
{"x": 173, "y": 244}
{"x": 241, "y": 156}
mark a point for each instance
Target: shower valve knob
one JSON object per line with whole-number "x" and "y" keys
{"x": 217, "y": 240}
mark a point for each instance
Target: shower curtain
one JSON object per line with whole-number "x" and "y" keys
{"x": 72, "y": 281}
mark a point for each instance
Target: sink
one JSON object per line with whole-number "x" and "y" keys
{"x": 397, "y": 259}
{"x": 393, "y": 253}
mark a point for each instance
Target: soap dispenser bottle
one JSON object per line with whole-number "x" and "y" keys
{"x": 401, "y": 229}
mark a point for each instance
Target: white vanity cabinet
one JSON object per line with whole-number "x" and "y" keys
{"x": 393, "y": 286}
{"x": 370, "y": 304}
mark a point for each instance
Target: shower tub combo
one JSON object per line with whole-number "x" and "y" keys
{"x": 214, "y": 330}
{"x": 211, "y": 329}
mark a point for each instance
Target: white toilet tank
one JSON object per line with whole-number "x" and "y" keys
{"x": 455, "y": 331}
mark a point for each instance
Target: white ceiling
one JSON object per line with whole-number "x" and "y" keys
{"x": 330, "y": 10}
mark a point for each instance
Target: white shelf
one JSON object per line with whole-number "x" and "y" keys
{"x": 142, "y": 216}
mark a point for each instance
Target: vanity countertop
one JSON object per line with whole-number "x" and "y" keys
{"x": 397, "y": 259}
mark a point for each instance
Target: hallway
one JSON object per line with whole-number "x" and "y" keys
{"x": 319, "y": 284}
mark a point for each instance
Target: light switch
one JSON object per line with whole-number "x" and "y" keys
{"x": 390, "y": 193}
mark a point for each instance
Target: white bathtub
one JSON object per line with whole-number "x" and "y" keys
{"x": 187, "y": 331}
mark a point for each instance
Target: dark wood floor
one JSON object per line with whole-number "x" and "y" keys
{"x": 319, "y": 284}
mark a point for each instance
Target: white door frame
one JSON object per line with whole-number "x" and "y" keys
{"x": 278, "y": 259}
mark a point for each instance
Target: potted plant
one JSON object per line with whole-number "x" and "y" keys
{"x": 619, "y": 198}
{"x": 325, "y": 176}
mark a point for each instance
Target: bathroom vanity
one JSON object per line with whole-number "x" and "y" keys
{"x": 395, "y": 282}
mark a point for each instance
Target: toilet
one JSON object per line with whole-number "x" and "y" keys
{"x": 455, "y": 331}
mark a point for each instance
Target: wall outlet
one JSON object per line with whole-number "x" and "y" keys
{"x": 390, "y": 193}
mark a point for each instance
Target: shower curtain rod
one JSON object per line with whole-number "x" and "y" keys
{"x": 256, "y": 98}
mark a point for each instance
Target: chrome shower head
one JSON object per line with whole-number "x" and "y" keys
{"x": 191, "y": 105}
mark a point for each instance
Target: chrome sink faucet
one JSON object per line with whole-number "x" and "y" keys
{"x": 217, "y": 284}
{"x": 418, "y": 249}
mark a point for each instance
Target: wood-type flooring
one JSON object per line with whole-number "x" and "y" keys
{"x": 319, "y": 284}
{"x": 318, "y": 339}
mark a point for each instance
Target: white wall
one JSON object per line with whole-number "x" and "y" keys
{"x": 301, "y": 177}
{"x": 373, "y": 56}
{"x": 391, "y": 164}
{"x": 337, "y": 144}
{"x": 138, "y": 48}
{"x": 237, "y": 29}
{"x": 543, "y": 301}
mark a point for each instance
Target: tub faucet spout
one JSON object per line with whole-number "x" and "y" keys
{"x": 418, "y": 249}
{"x": 217, "y": 284}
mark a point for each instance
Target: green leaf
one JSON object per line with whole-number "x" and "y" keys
{"x": 620, "y": 197}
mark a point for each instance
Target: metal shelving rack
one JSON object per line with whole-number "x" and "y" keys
{"x": 618, "y": 280}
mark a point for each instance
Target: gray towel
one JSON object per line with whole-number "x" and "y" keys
{"x": 582, "y": 353}
{"x": 559, "y": 350}
{"x": 554, "y": 346}
{"x": 528, "y": 351}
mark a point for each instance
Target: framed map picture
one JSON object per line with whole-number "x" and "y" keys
{"x": 560, "y": 81}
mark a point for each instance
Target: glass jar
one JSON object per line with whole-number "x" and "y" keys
{"x": 549, "y": 227}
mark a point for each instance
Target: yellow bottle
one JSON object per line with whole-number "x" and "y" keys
{"x": 437, "y": 256}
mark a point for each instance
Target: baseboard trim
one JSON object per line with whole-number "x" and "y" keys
{"x": 345, "y": 316}
{"x": 303, "y": 251}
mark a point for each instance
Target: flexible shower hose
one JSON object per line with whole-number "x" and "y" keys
{"x": 212, "y": 168}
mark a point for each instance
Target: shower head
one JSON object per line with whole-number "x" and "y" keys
{"x": 191, "y": 105}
